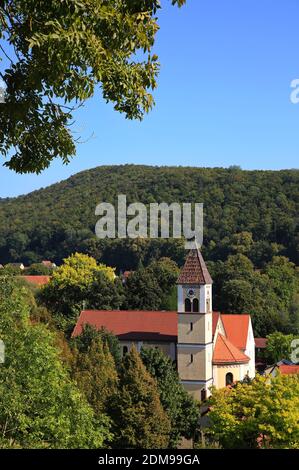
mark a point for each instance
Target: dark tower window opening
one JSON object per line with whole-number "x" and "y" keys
{"x": 187, "y": 305}
{"x": 191, "y": 358}
{"x": 229, "y": 378}
{"x": 191, "y": 326}
{"x": 195, "y": 305}
{"x": 203, "y": 394}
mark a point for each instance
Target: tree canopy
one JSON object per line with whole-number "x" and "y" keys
{"x": 57, "y": 54}
{"x": 40, "y": 406}
{"x": 139, "y": 420}
{"x": 269, "y": 294}
{"x": 279, "y": 346}
{"x": 263, "y": 413}
{"x": 181, "y": 408}
{"x": 94, "y": 371}
{"x": 80, "y": 282}
{"x": 55, "y": 222}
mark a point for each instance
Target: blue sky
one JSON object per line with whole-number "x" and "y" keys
{"x": 223, "y": 97}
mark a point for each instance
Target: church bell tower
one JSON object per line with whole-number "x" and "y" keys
{"x": 195, "y": 347}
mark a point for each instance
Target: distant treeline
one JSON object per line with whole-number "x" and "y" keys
{"x": 255, "y": 212}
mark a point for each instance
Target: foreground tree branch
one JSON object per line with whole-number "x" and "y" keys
{"x": 61, "y": 51}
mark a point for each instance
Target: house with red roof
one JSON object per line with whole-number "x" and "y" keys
{"x": 37, "y": 281}
{"x": 283, "y": 367}
{"x": 209, "y": 348}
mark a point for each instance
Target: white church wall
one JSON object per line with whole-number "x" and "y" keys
{"x": 250, "y": 350}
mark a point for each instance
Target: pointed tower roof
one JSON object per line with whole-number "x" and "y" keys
{"x": 195, "y": 270}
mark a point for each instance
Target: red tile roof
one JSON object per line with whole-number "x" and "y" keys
{"x": 260, "y": 343}
{"x": 195, "y": 270}
{"x": 132, "y": 324}
{"x": 37, "y": 280}
{"x": 289, "y": 369}
{"x": 226, "y": 353}
{"x": 236, "y": 328}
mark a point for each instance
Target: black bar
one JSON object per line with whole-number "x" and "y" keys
{"x": 131, "y": 459}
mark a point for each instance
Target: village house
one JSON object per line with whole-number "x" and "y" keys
{"x": 36, "y": 281}
{"x": 283, "y": 367}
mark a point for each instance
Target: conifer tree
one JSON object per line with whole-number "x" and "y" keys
{"x": 139, "y": 420}
{"x": 181, "y": 408}
{"x": 95, "y": 373}
{"x": 90, "y": 333}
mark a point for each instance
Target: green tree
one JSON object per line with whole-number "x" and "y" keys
{"x": 104, "y": 293}
{"x": 278, "y": 347}
{"x": 40, "y": 407}
{"x": 242, "y": 242}
{"x": 284, "y": 277}
{"x": 90, "y": 334}
{"x": 62, "y": 52}
{"x": 237, "y": 296}
{"x": 68, "y": 290}
{"x": 143, "y": 291}
{"x": 181, "y": 408}
{"x": 294, "y": 314}
{"x": 10, "y": 270}
{"x": 38, "y": 269}
{"x": 139, "y": 421}
{"x": 269, "y": 294}
{"x": 260, "y": 414}
{"x": 166, "y": 273}
{"x": 95, "y": 373}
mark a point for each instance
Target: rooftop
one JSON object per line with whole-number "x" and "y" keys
{"x": 226, "y": 353}
{"x": 37, "y": 280}
{"x": 132, "y": 324}
{"x": 195, "y": 270}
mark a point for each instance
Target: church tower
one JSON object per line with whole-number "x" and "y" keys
{"x": 195, "y": 346}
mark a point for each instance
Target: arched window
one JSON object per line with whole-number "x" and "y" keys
{"x": 229, "y": 378}
{"x": 195, "y": 305}
{"x": 125, "y": 350}
{"x": 187, "y": 305}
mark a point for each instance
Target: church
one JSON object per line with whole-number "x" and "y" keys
{"x": 209, "y": 348}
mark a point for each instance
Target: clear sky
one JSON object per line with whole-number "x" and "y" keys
{"x": 223, "y": 96}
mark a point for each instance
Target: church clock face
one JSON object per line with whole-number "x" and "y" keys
{"x": 190, "y": 293}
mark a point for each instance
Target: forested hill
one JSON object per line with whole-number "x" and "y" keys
{"x": 55, "y": 221}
